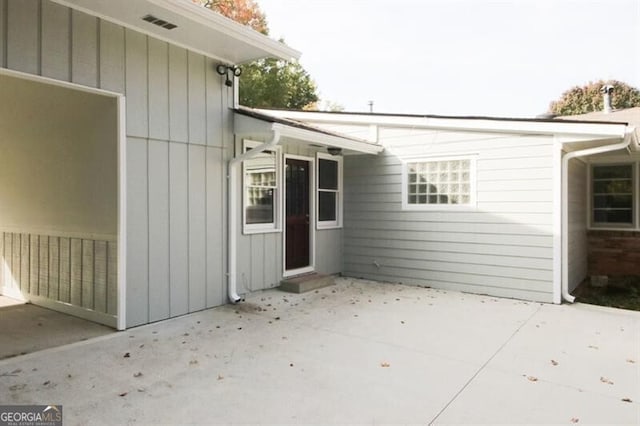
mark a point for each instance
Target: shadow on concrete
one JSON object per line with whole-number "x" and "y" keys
{"x": 26, "y": 328}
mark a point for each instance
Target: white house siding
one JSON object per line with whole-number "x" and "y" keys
{"x": 503, "y": 247}
{"x": 577, "y": 204}
{"x": 260, "y": 256}
{"x": 177, "y": 128}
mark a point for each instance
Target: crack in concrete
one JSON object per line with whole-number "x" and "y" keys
{"x": 483, "y": 366}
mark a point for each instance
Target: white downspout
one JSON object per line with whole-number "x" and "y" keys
{"x": 232, "y": 211}
{"x": 565, "y": 205}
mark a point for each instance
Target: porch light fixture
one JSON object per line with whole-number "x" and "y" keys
{"x": 225, "y": 70}
{"x": 334, "y": 150}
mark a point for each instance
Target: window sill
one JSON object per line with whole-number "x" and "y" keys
{"x": 250, "y": 231}
{"x": 614, "y": 228}
{"x": 439, "y": 207}
{"x": 332, "y": 225}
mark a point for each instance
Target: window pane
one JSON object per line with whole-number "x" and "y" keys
{"x": 612, "y": 194}
{"x": 623, "y": 186}
{"x": 446, "y": 182}
{"x": 613, "y": 216}
{"x": 328, "y": 171}
{"x": 327, "y": 206}
{"x": 612, "y": 172}
{"x": 613, "y": 201}
{"x": 261, "y": 170}
{"x": 260, "y": 205}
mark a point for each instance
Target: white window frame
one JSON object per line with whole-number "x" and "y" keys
{"x": 635, "y": 203}
{"x": 329, "y": 224}
{"x": 276, "y": 225}
{"x": 472, "y": 205}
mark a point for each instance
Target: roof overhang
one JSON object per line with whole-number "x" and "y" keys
{"x": 256, "y": 127}
{"x": 198, "y": 29}
{"x": 568, "y": 130}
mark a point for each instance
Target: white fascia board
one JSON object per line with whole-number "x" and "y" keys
{"x": 602, "y": 130}
{"x": 325, "y": 139}
{"x": 199, "y": 30}
{"x": 240, "y": 32}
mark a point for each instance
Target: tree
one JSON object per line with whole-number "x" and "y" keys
{"x": 272, "y": 83}
{"x": 245, "y": 12}
{"x": 587, "y": 98}
{"x": 266, "y": 83}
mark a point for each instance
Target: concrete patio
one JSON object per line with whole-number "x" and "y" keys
{"x": 26, "y": 328}
{"x": 357, "y": 352}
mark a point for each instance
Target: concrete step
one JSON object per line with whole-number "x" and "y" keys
{"x": 305, "y": 283}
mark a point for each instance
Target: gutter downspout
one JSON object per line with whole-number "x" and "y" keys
{"x": 232, "y": 213}
{"x": 565, "y": 205}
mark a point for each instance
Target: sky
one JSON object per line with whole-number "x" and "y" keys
{"x": 505, "y": 58}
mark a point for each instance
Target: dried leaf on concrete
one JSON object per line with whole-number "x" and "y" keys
{"x": 605, "y": 380}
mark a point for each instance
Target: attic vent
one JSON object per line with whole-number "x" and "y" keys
{"x": 159, "y": 22}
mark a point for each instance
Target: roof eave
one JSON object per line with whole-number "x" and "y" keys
{"x": 247, "y": 124}
{"x": 525, "y": 126}
{"x": 240, "y": 32}
{"x": 324, "y": 139}
{"x": 243, "y": 43}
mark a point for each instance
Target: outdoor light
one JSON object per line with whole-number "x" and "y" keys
{"x": 223, "y": 69}
{"x": 334, "y": 150}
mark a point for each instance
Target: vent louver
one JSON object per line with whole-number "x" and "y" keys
{"x": 159, "y": 22}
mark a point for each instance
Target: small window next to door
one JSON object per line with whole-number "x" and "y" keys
{"x": 329, "y": 191}
{"x": 261, "y": 190}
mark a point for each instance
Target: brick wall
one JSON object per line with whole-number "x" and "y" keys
{"x": 614, "y": 253}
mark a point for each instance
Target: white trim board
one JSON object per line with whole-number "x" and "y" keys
{"x": 120, "y": 322}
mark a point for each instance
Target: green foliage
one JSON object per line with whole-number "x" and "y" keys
{"x": 245, "y": 12}
{"x": 581, "y": 100}
{"x": 266, "y": 83}
{"x": 271, "y": 83}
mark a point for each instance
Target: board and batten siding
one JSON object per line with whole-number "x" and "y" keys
{"x": 55, "y": 271}
{"x": 260, "y": 255}
{"x": 577, "y": 204}
{"x": 178, "y": 130}
{"x": 503, "y": 247}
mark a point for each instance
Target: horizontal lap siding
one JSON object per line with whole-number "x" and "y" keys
{"x": 178, "y": 138}
{"x": 503, "y": 247}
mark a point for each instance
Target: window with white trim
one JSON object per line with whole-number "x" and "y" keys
{"x": 612, "y": 188}
{"x": 261, "y": 190}
{"x": 329, "y": 191}
{"x": 439, "y": 183}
